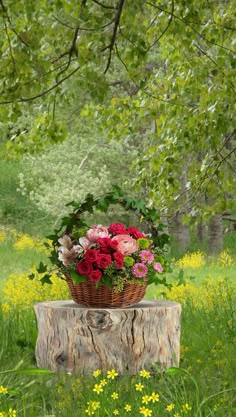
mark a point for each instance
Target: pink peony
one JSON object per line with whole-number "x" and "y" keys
{"x": 146, "y": 256}
{"x": 126, "y": 244}
{"x": 96, "y": 232}
{"x": 95, "y": 275}
{"x": 139, "y": 270}
{"x": 158, "y": 267}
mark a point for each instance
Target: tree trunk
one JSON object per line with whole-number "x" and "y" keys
{"x": 180, "y": 233}
{"x": 215, "y": 234}
{"x": 74, "y": 338}
{"x": 201, "y": 231}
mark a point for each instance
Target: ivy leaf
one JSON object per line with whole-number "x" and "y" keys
{"x": 46, "y": 279}
{"x": 77, "y": 278}
{"x": 42, "y": 268}
{"x": 31, "y": 276}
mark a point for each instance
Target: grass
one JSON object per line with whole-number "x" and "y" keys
{"x": 208, "y": 341}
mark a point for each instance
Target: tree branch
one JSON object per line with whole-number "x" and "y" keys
{"x": 43, "y": 93}
{"x": 114, "y": 34}
{"x": 167, "y": 26}
{"x": 104, "y": 5}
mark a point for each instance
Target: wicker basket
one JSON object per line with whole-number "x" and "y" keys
{"x": 88, "y": 295}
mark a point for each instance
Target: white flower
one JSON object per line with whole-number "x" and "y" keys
{"x": 65, "y": 242}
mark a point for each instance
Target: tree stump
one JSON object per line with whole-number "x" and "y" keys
{"x": 73, "y": 338}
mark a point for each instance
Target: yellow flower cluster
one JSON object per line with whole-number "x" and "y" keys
{"x": 192, "y": 260}
{"x": 224, "y": 259}
{"x": 3, "y": 235}
{"x": 3, "y": 390}
{"x": 24, "y": 241}
{"x": 10, "y": 413}
{"x": 20, "y": 292}
{"x": 208, "y": 296}
{"x": 92, "y": 407}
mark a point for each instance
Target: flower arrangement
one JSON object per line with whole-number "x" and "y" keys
{"x": 108, "y": 261}
{"x": 112, "y": 255}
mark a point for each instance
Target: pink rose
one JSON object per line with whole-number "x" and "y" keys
{"x": 96, "y": 232}
{"x": 126, "y": 244}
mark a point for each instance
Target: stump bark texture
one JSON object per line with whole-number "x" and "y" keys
{"x": 73, "y": 338}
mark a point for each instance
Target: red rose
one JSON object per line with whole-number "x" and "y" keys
{"x": 103, "y": 260}
{"x": 84, "y": 268}
{"x": 117, "y": 229}
{"x": 104, "y": 244}
{"x": 135, "y": 232}
{"x": 119, "y": 258}
{"x": 91, "y": 255}
{"x": 114, "y": 244}
{"x": 95, "y": 275}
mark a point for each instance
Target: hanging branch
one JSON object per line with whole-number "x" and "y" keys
{"x": 114, "y": 34}
{"x": 167, "y": 26}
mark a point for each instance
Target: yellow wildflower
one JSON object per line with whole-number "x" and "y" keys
{"x": 186, "y": 407}
{"x": 145, "y": 399}
{"x": 127, "y": 407}
{"x": 2, "y": 414}
{"x": 97, "y": 388}
{"x": 11, "y": 412}
{"x": 3, "y": 236}
{"x": 145, "y": 411}
{"x": 3, "y": 390}
{"x": 115, "y": 395}
{"x": 170, "y": 407}
{"x": 192, "y": 260}
{"x": 139, "y": 386}
{"x": 145, "y": 374}
{"x": 97, "y": 373}
{"x": 112, "y": 374}
{"x": 103, "y": 382}
{"x": 154, "y": 397}
{"x": 116, "y": 412}
{"x": 176, "y": 415}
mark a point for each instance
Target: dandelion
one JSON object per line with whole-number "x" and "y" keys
{"x": 145, "y": 411}
{"x": 127, "y": 407}
{"x": 3, "y": 390}
{"x": 139, "y": 386}
{"x": 116, "y": 412}
{"x": 112, "y": 374}
{"x": 170, "y": 407}
{"x": 145, "y": 399}
{"x": 98, "y": 388}
{"x": 154, "y": 397}
{"x": 145, "y": 374}
{"x": 115, "y": 395}
{"x": 176, "y": 415}
{"x": 97, "y": 373}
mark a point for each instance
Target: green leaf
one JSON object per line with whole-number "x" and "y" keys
{"x": 42, "y": 268}
{"x": 31, "y": 276}
{"x": 30, "y": 371}
{"x": 77, "y": 278}
{"x": 46, "y": 279}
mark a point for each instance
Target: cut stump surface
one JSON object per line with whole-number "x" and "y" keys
{"x": 73, "y": 338}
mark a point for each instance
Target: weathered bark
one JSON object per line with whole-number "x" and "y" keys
{"x": 215, "y": 234}
{"x": 73, "y": 338}
{"x": 201, "y": 231}
{"x": 180, "y": 232}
